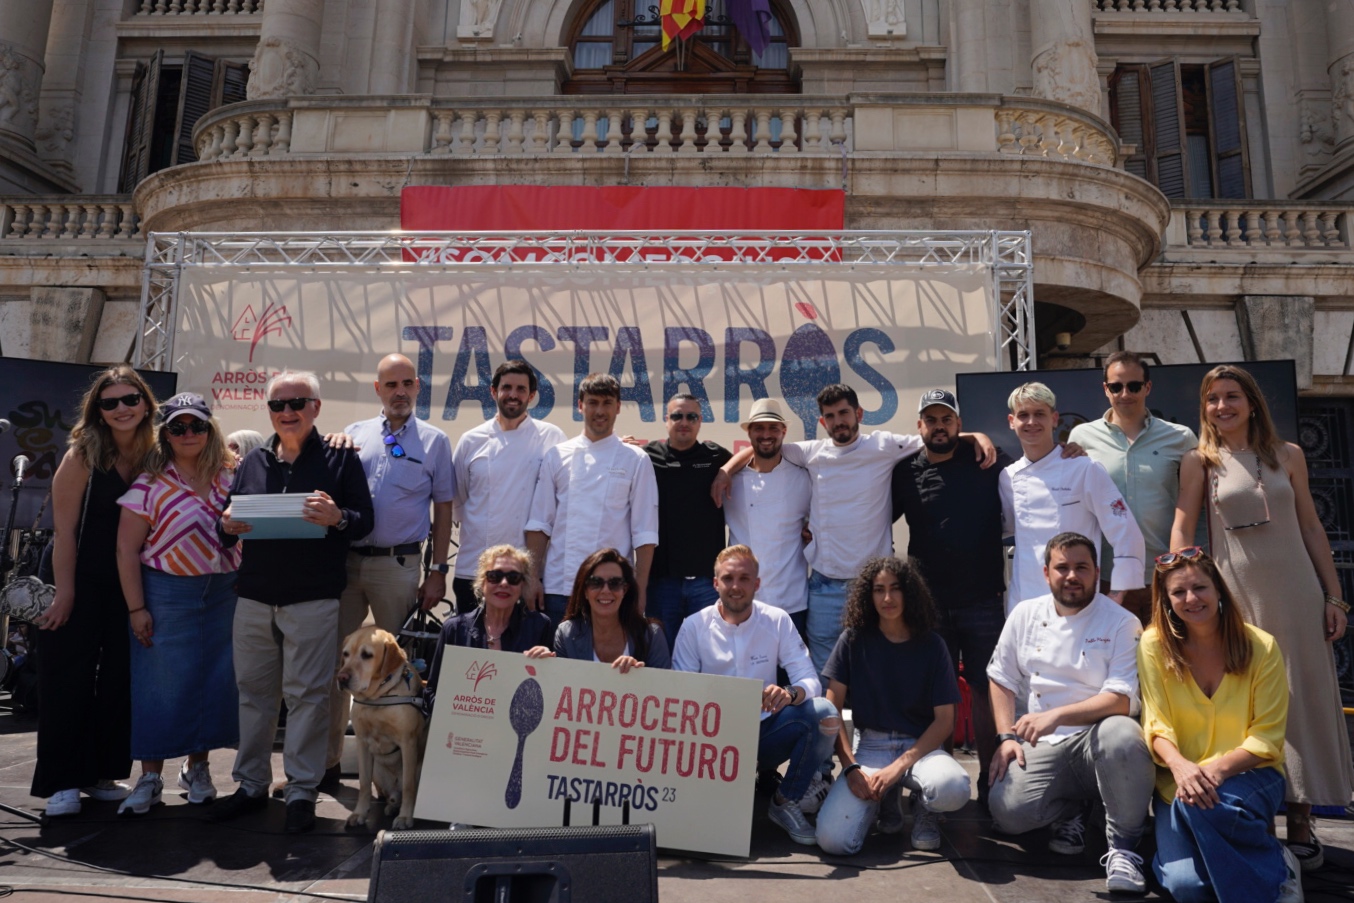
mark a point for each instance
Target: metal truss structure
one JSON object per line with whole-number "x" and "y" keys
{"x": 1008, "y": 257}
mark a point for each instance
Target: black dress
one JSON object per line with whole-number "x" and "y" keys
{"x": 84, "y": 670}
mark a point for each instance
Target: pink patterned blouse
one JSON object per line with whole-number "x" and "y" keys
{"x": 182, "y": 538}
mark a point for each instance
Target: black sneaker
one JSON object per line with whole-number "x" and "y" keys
{"x": 300, "y": 816}
{"x": 237, "y": 804}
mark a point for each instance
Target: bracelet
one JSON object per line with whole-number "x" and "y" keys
{"x": 854, "y": 766}
{"x": 1338, "y": 603}
{"x": 132, "y": 611}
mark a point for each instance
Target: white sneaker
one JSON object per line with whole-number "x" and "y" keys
{"x": 925, "y": 827}
{"x": 812, "y": 800}
{"x": 891, "y": 811}
{"x": 144, "y": 795}
{"x": 790, "y": 817}
{"x": 1123, "y": 872}
{"x": 107, "y": 791}
{"x": 63, "y": 802}
{"x": 1291, "y": 889}
{"x": 1069, "y": 837}
{"x": 197, "y": 780}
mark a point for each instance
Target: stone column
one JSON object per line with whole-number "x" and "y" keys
{"x": 1340, "y": 46}
{"x": 968, "y": 30}
{"x": 23, "y": 51}
{"x": 392, "y": 48}
{"x": 286, "y": 62}
{"x": 1063, "y": 57}
{"x": 1277, "y": 327}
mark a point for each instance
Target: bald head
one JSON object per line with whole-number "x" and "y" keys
{"x": 397, "y": 386}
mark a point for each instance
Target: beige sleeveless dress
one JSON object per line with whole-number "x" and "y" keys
{"x": 1271, "y": 575}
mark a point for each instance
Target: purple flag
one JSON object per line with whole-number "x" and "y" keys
{"x": 753, "y": 19}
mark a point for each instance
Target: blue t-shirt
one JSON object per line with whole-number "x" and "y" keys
{"x": 894, "y": 686}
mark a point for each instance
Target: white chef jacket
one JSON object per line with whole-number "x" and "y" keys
{"x": 590, "y": 496}
{"x": 851, "y": 516}
{"x": 1040, "y": 499}
{"x": 708, "y": 644}
{"x": 765, "y": 512}
{"x": 495, "y": 478}
{"x": 1063, "y": 660}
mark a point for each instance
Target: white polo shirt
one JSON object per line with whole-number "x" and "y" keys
{"x": 495, "y": 478}
{"x": 1040, "y": 499}
{"x": 590, "y": 496}
{"x": 851, "y": 516}
{"x": 766, "y": 512}
{"x": 1059, "y": 660}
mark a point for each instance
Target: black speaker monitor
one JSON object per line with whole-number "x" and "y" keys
{"x": 607, "y": 864}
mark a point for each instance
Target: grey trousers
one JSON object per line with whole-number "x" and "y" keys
{"x": 1108, "y": 762}
{"x": 388, "y": 586}
{"x": 284, "y": 653}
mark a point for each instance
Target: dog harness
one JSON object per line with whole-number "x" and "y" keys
{"x": 405, "y": 674}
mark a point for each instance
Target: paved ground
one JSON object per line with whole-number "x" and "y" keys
{"x": 254, "y": 860}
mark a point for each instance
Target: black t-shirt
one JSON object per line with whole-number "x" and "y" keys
{"x": 690, "y": 527}
{"x": 953, "y": 511}
{"x": 894, "y": 686}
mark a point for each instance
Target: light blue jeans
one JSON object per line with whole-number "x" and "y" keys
{"x": 937, "y": 780}
{"x": 674, "y": 599}
{"x": 1225, "y": 853}
{"x": 827, "y": 600}
{"x": 793, "y": 735}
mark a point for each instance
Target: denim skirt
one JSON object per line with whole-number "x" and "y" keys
{"x": 184, "y": 698}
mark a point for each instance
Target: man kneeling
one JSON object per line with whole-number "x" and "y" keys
{"x": 741, "y": 637}
{"x": 1077, "y": 652}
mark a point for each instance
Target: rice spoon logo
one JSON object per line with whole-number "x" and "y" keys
{"x": 478, "y": 672}
{"x": 252, "y": 329}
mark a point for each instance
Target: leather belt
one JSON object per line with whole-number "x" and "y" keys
{"x": 409, "y": 548}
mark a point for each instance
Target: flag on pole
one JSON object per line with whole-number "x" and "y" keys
{"x": 753, "y": 19}
{"x": 680, "y": 19}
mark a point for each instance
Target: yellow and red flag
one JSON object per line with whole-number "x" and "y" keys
{"x": 680, "y": 19}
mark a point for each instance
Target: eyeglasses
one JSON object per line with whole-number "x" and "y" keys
{"x": 183, "y": 427}
{"x": 1133, "y": 387}
{"x": 277, "y": 404}
{"x": 615, "y": 584}
{"x": 1191, "y": 553}
{"x": 514, "y": 578}
{"x": 688, "y": 416}
{"x": 131, "y": 400}
{"x": 397, "y": 451}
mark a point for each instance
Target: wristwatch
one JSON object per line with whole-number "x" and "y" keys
{"x": 1002, "y": 738}
{"x": 342, "y": 524}
{"x": 440, "y": 568}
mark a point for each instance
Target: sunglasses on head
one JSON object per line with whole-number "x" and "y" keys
{"x": 1191, "y": 553}
{"x": 277, "y": 404}
{"x": 1133, "y": 387}
{"x": 615, "y": 584}
{"x": 397, "y": 451}
{"x": 183, "y": 427}
{"x": 688, "y": 416}
{"x": 131, "y": 400}
{"x": 514, "y": 578}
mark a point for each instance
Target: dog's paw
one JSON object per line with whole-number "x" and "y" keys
{"x": 354, "y": 821}
{"x": 403, "y": 824}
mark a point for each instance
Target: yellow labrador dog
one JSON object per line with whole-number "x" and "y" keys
{"x": 388, "y": 720}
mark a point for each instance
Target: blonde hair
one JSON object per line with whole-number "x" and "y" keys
{"x": 485, "y": 564}
{"x": 1035, "y": 392}
{"x": 215, "y": 456}
{"x": 92, "y": 439}
{"x": 1261, "y": 436}
{"x": 1171, "y": 630}
{"x": 737, "y": 552}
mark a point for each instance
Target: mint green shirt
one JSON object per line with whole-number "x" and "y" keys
{"x": 1147, "y": 472}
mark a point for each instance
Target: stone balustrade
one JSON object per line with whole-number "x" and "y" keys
{"x": 199, "y": 7}
{"x": 1260, "y": 224}
{"x": 69, "y": 217}
{"x": 246, "y": 132}
{"x": 1066, "y": 135}
{"x": 1167, "y": 6}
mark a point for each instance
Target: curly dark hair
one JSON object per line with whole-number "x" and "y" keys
{"x": 636, "y": 626}
{"x": 919, "y": 609}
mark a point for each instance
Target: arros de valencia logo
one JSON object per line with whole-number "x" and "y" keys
{"x": 478, "y": 672}
{"x": 252, "y": 328}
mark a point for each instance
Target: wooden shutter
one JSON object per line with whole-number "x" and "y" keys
{"x": 1227, "y": 131}
{"x": 1130, "y": 113}
{"x": 1168, "y": 129}
{"x": 232, "y": 79}
{"x": 140, "y": 123}
{"x": 195, "y": 99}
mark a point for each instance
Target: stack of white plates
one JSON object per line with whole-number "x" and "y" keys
{"x": 274, "y": 516}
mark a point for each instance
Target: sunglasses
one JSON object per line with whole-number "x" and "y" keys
{"x": 131, "y": 400}
{"x": 1191, "y": 553}
{"x": 514, "y": 578}
{"x": 182, "y": 427}
{"x": 688, "y": 416}
{"x": 1133, "y": 387}
{"x": 615, "y": 584}
{"x": 397, "y": 451}
{"x": 277, "y": 404}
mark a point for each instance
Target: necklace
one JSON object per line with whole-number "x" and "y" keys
{"x": 1259, "y": 485}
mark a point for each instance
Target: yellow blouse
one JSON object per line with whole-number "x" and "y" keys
{"x": 1248, "y": 710}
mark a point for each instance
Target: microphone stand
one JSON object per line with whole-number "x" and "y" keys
{"x": 7, "y": 563}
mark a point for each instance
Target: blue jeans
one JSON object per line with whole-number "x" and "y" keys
{"x": 827, "y": 600}
{"x": 1224, "y": 853}
{"x": 937, "y": 780}
{"x": 674, "y": 599}
{"x": 555, "y": 606}
{"x": 792, "y": 735}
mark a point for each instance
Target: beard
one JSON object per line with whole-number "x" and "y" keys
{"x": 1075, "y": 597}
{"x": 942, "y": 446}
{"x": 511, "y": 407}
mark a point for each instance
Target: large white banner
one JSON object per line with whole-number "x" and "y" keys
{"x": 728, "y": 334}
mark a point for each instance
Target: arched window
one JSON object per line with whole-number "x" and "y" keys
{"x": 617, "y": 49}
